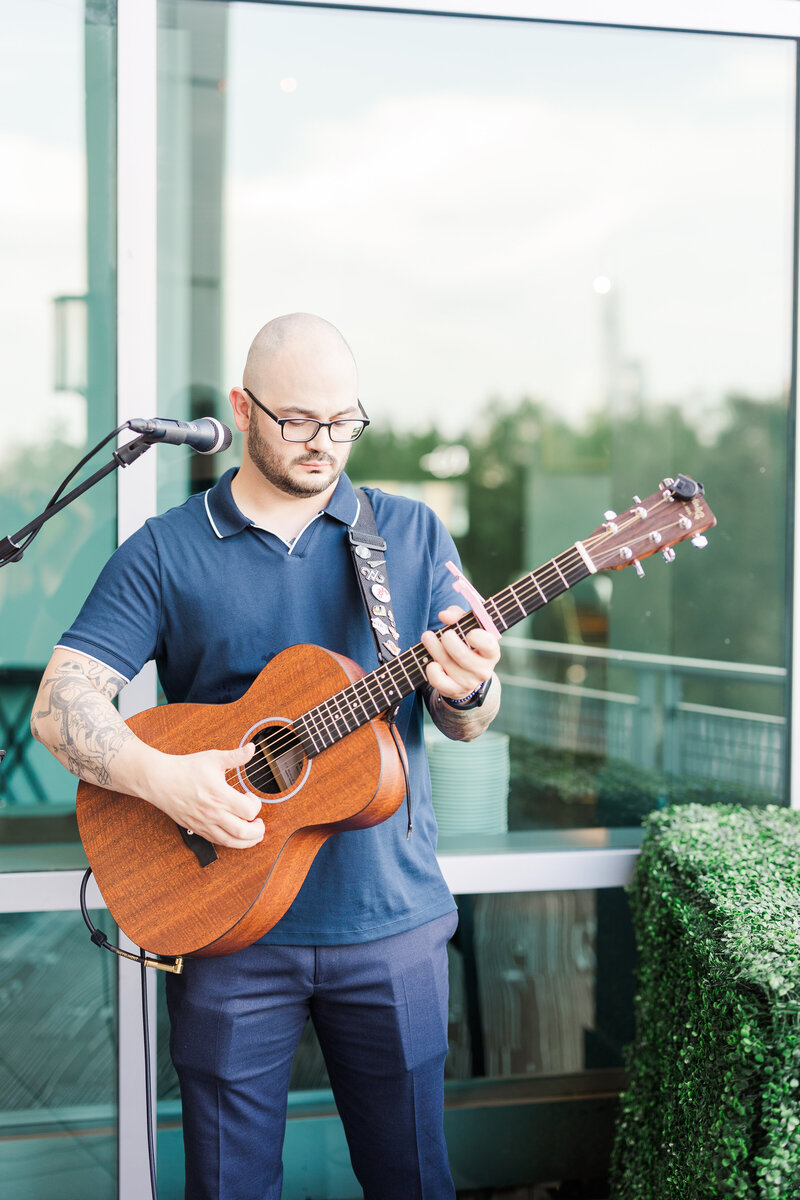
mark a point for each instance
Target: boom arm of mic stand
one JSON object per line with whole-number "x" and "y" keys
{"x": 12, "y": 551}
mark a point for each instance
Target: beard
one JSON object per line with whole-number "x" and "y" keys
{"x": 276, "y": 471}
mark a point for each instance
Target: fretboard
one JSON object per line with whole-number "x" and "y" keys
{"x": 386, "y": 686}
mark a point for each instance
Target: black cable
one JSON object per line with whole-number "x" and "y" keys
{"x": 148, "y": 1083}
{"x": 22, "y": 546}
{"x": 84, "y": 460}
{"x": 402, "y": 757}
{"x": 100, "y": 939}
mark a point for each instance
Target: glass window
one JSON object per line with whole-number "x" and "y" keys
{"x": 57, "y": 350}
{"x": 58, "y": 1108}
{"x": 541, "y": 984}
{"x": 562, "y": 256}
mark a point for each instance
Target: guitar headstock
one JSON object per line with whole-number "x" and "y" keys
{"x": 677, "y": 511}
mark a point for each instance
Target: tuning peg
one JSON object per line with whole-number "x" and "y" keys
{"x": 638, "y": 568}
{"x": 668, "y": 555}
{"x": 700, "y": 541}
{"x": 609, "y": 515}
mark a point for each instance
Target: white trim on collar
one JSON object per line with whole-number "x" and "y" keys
{"x": 208, "y": 514}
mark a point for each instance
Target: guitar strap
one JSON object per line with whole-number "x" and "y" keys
{"x": 368, "y": 551}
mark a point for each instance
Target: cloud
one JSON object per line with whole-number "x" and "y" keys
{"x": 476, "y": 225}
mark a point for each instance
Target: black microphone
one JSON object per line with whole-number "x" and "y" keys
{"x": 206, "y": 435}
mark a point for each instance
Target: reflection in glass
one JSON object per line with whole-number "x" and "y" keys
{"x": 562, "y": 256}
{"x": 57, "y": 351}
{"x": 541, "y": 984}
{"x": 58, "y": 1112}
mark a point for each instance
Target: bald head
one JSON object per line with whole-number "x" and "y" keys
{"x": 299, "y": 368}
{"x": 303, "y": 349}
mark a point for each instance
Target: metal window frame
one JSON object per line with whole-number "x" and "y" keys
{"x": 577, "y": 864}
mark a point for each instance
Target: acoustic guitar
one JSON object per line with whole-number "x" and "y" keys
{"x": 325, "y": 760}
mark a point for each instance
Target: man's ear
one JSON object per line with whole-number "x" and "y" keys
{"x": 242, "y": 407}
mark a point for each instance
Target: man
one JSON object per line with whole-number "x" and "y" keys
{"x": 212, "y": 590}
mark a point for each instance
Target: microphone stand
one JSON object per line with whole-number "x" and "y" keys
{"x": 10, "y": 548}
{"x": 14, "y": 546}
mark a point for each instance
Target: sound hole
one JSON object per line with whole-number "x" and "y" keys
{"x": 278, "y": 760}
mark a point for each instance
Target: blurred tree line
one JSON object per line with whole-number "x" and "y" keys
{"x": 531, "y": 474}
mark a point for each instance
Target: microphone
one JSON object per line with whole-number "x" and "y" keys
{"x": 206, "y": 435}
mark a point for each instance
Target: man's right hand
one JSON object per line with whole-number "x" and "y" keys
{"x": 74, "y": 717}
{"x": 194, "y": 790}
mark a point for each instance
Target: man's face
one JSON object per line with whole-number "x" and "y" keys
{"x": 308, "y": 384}
{"x": 296, "y": 468}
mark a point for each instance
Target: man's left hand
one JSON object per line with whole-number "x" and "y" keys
{"x": 459, "y": 668}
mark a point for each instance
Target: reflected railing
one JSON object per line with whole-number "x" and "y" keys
{"x": 647, "y": 709}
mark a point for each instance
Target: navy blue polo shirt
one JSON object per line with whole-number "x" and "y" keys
{"x": 212, "y": 598}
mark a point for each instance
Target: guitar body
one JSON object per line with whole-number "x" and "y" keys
{"x": 153, "y": 882}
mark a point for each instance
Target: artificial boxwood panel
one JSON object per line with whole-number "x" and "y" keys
{"x": 712, "y": 1109}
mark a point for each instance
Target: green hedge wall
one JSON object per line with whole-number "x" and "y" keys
{"x": 712, "y": 1109}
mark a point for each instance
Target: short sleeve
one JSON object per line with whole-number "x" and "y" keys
{"x": 121, "y": 617}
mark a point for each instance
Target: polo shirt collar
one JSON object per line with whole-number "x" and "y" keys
{"x": 226, "y": 518}
{"x": 344, "y": 503}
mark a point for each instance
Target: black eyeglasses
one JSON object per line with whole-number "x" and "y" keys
{"x": 304, "y": 429}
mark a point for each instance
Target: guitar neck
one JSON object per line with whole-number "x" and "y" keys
{"x": 386, "y": 686}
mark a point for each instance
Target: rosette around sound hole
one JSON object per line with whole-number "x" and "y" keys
{"x": 278, "y": 761}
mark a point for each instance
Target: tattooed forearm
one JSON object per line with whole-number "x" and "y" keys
{"x": 464, "y": 726}
{"x": 75, "y": 719}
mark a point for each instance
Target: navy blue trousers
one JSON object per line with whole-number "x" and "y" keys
{"x": 380, "y": 1013}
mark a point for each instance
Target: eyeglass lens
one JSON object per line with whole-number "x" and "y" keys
{"x": 296, "y": 430}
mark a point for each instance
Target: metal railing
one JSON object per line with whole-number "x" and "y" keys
{"x": 645, "y": 718}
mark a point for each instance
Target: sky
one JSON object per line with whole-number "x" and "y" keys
{"x": 449, "y": 192}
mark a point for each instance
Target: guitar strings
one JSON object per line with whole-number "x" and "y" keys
{"x": 506, "y": 603}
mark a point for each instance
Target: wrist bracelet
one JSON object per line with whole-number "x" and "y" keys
{"x": 472, "y": 700}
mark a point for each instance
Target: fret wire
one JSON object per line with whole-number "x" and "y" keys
{"x": 383, "y": 673}
{"x": 359, "y": 699}
{"x": 564, "y": 574}
{"x": 380, "y": 688}
{"x": 389, "y": 690}
{"x": 335, "y": 712}
{"x": 365, "y": 683}
{"x": 325, "y": 721}
{"x": 319, "y": 724}
{"x": 517, "y": 600}
{"x": 396, "y": 683}
{"x": 402, "y": 665}
{"x": 558, "y": 568}
{"x": 521, "y": 590}
{"x": 345, "y": 712}
{"x": 535, "y": 582}
{"x": 498, "y": 614}
{"x": 421, "y": 665}
{"x": 309, "y": 732}
{"x": 322, "y": 718}
{"x": 354, "y": 688}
